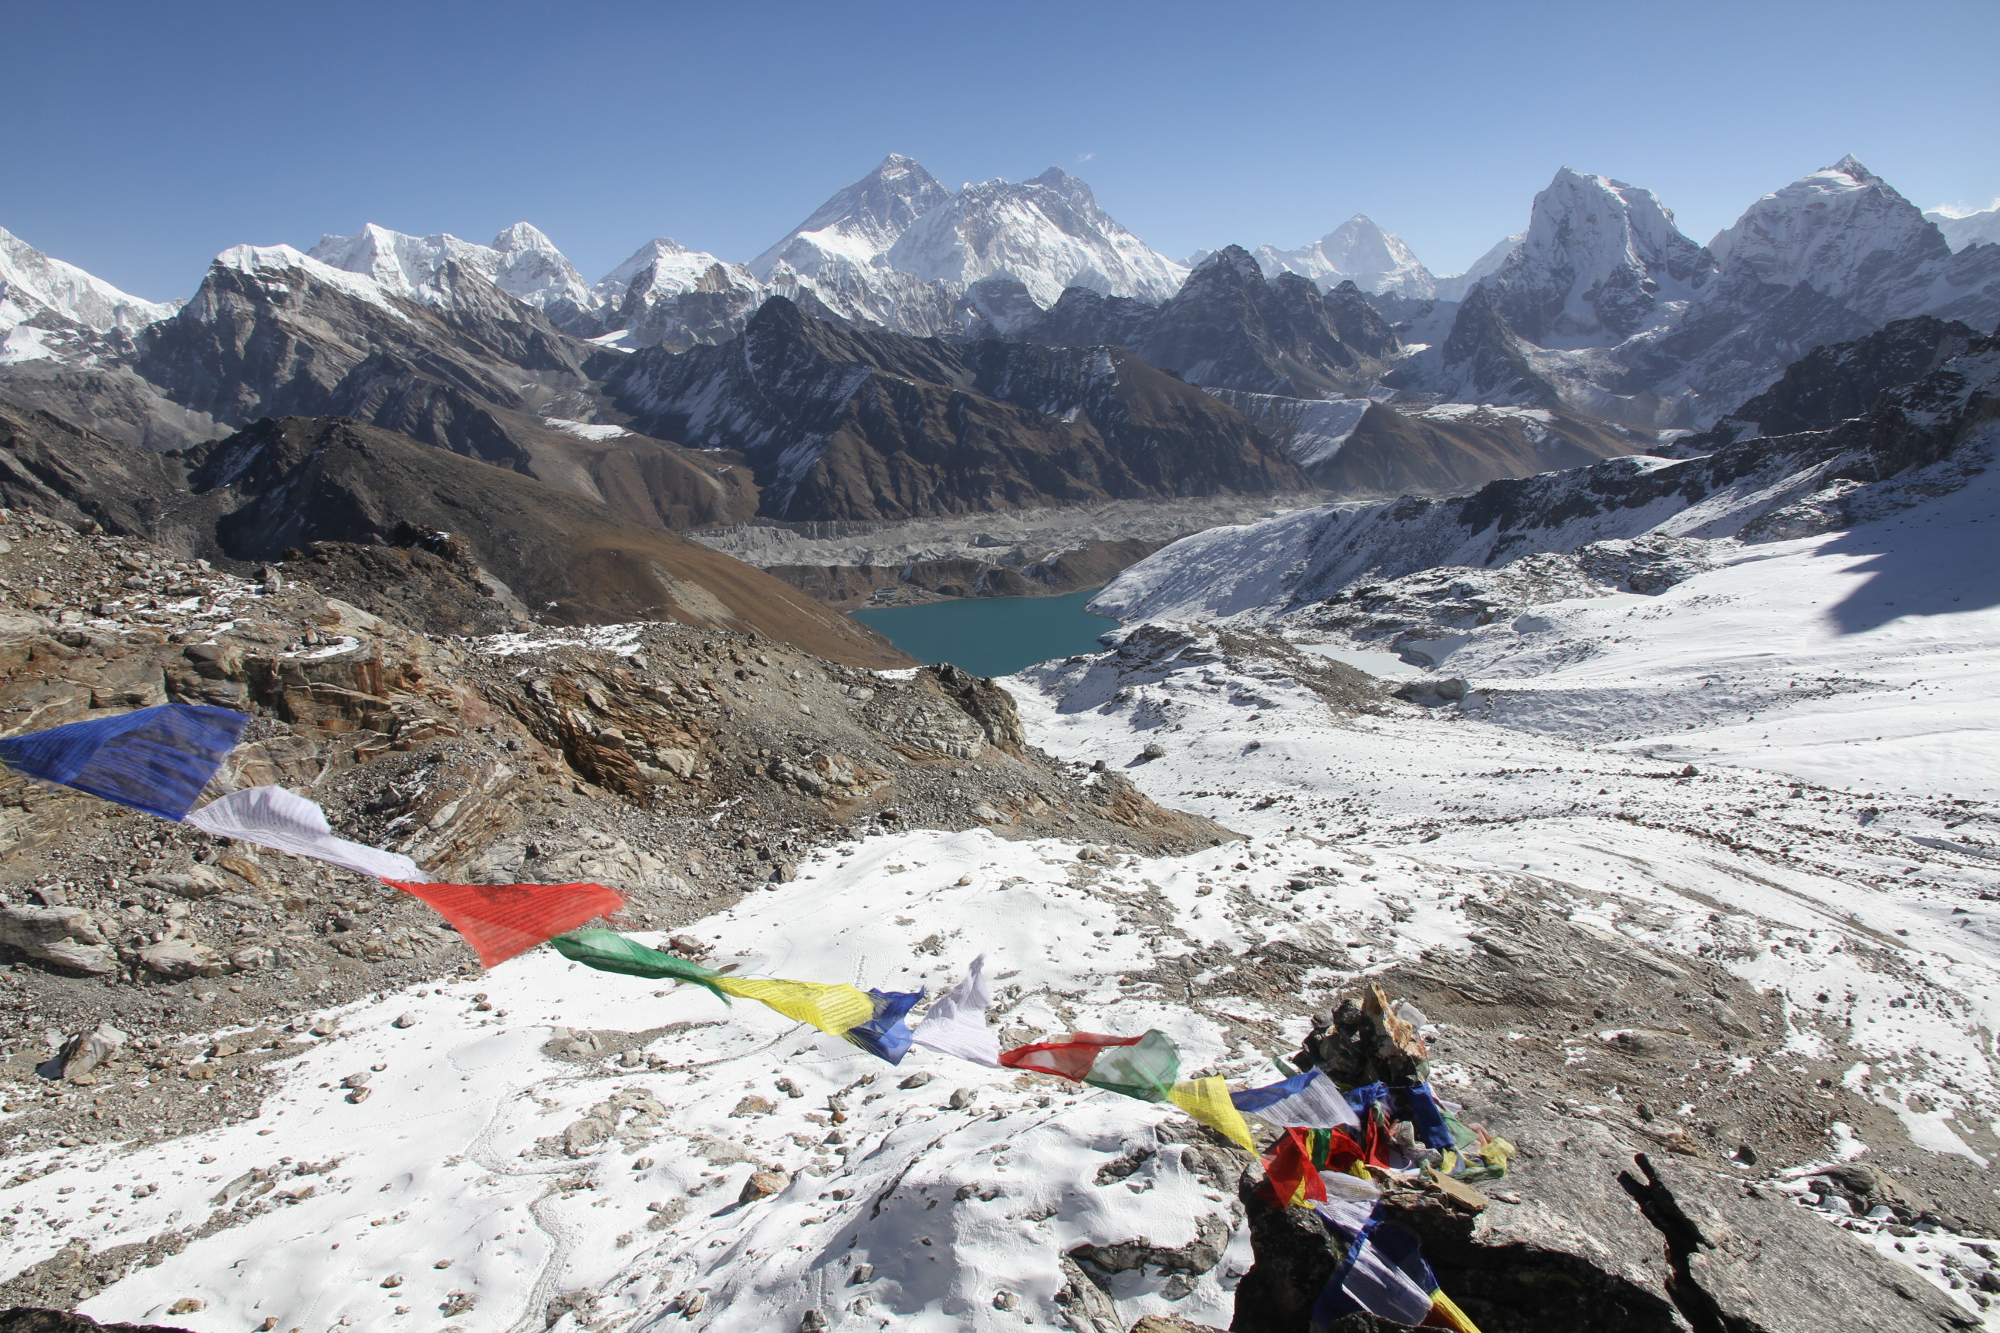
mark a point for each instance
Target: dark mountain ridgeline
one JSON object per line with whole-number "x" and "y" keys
{"x": 845, "y": 423}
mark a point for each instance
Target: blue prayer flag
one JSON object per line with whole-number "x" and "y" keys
{"x": 1367, "y": 1095}
{"x": 1427, "y": 1117}
{"x": 1310, "y": 1100}
{"x": 156, "y": 759}
{"x": 886, "y": 1034}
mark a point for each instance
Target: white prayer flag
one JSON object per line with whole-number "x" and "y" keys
{"x": 273, "y": 817}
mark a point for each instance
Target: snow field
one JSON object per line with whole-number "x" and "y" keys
{"x": 441, "y": 1163}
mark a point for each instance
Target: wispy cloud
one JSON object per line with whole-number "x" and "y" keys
{"x": 1085, "y": 157}
{"x": 1967, "y": 210}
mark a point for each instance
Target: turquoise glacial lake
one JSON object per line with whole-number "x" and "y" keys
{"x": 993, "y": 636}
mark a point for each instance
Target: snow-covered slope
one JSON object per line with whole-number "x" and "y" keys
{"x": 1454, "y": 286}
{"x": 674, "y": 268}
{"x": 1048, "y": 232}
{"x": 1842, "y": 229}
{"x": 543, "y": 1145}
{"x": 1360, "y": 250}
{"x": 1965, "y": 229}
{"x": 49, "y": 308}
{"x": 1810, "y": 481}
{"x": 521, "y": 262}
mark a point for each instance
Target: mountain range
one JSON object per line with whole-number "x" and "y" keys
{"x": 909, "y": 350}
{"x": 1606, "y": 306}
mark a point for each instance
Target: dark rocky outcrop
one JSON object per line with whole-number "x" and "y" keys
{"x": 1831, "y": 384}
{"x": 54, "y": 467}
{"x": 845, "y": 423}
{"x": 1421, "y": 450}
{"x": 1487, "y": 361}
{"x": 1231, "y": 327}
{"x": 474, "y": 371}
{"x": 29, "y": 1319}
{"x": 372, "y": 500}
{"x": 1603, "y": 1237}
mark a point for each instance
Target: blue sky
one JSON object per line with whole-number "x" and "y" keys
{"x": 141, "y": 139}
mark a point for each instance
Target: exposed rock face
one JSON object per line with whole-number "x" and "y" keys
{"x": 519, "y": 546}
{"x": 1354, "y": 447}
{"x": 1231, "y": 327}
{"x": 677, "y": 300}
{"x": 54, "y": 467}
{"x": 521, "y": 262}
{"x": 1830, "y": 384}
{"x": 27, "y": 1319}
{"x": 1607, "y": 1238}
{"x": 1606, "y": 308}
{"x": 291, "y": 483}
{"x": 458, "y": 364}
{"x": 1485, "y": 361}
{"x": 272, "y": 333}
{"x": 842, "y": 423}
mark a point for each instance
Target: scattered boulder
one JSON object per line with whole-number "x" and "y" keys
{"x": 762, "y": 1185}
{"x": 87, "y": 1051}
{"x": 65, "y": 936}
{"x": 180, "y": 959}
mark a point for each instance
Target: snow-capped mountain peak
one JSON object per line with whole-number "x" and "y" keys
{"x": 860, "y": 222}
{"x": 1049, "y": 233}
{"x": 1827, "y": 229}
{"x": 1360, "y": 250}
{"x": 1600, "y": 257}
{"x": 614, "y": 284}
{"x": 522, "y": 262}
{"x": 523, "y": 236}
{"x": 45, "y": 303}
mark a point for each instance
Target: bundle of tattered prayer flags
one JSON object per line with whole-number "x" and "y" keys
{"x": 1335, "y": 1145}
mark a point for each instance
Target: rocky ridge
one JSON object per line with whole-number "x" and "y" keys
{"x": 843, "y": 423}
{"x": 1230, "y": 327}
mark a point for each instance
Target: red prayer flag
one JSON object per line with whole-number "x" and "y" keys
{"x": 1342, "y": 1152}
{"x": 1071, "y": 1057}
{"x": 1377, "y": 1136}
{"x": 1289, "y": 1170}
{"x": 501, "y": 920}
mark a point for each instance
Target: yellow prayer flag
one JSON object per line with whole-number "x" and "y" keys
{"x": 1207, "y": 1100}
{"x": 1442, "y": 1304}
{"x": 831, "y": 1009}
{"x": 1497, "y": 1153}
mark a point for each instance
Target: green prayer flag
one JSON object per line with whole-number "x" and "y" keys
{"x": 1147, "y": 1069}
{"x": 608, "y": 951}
